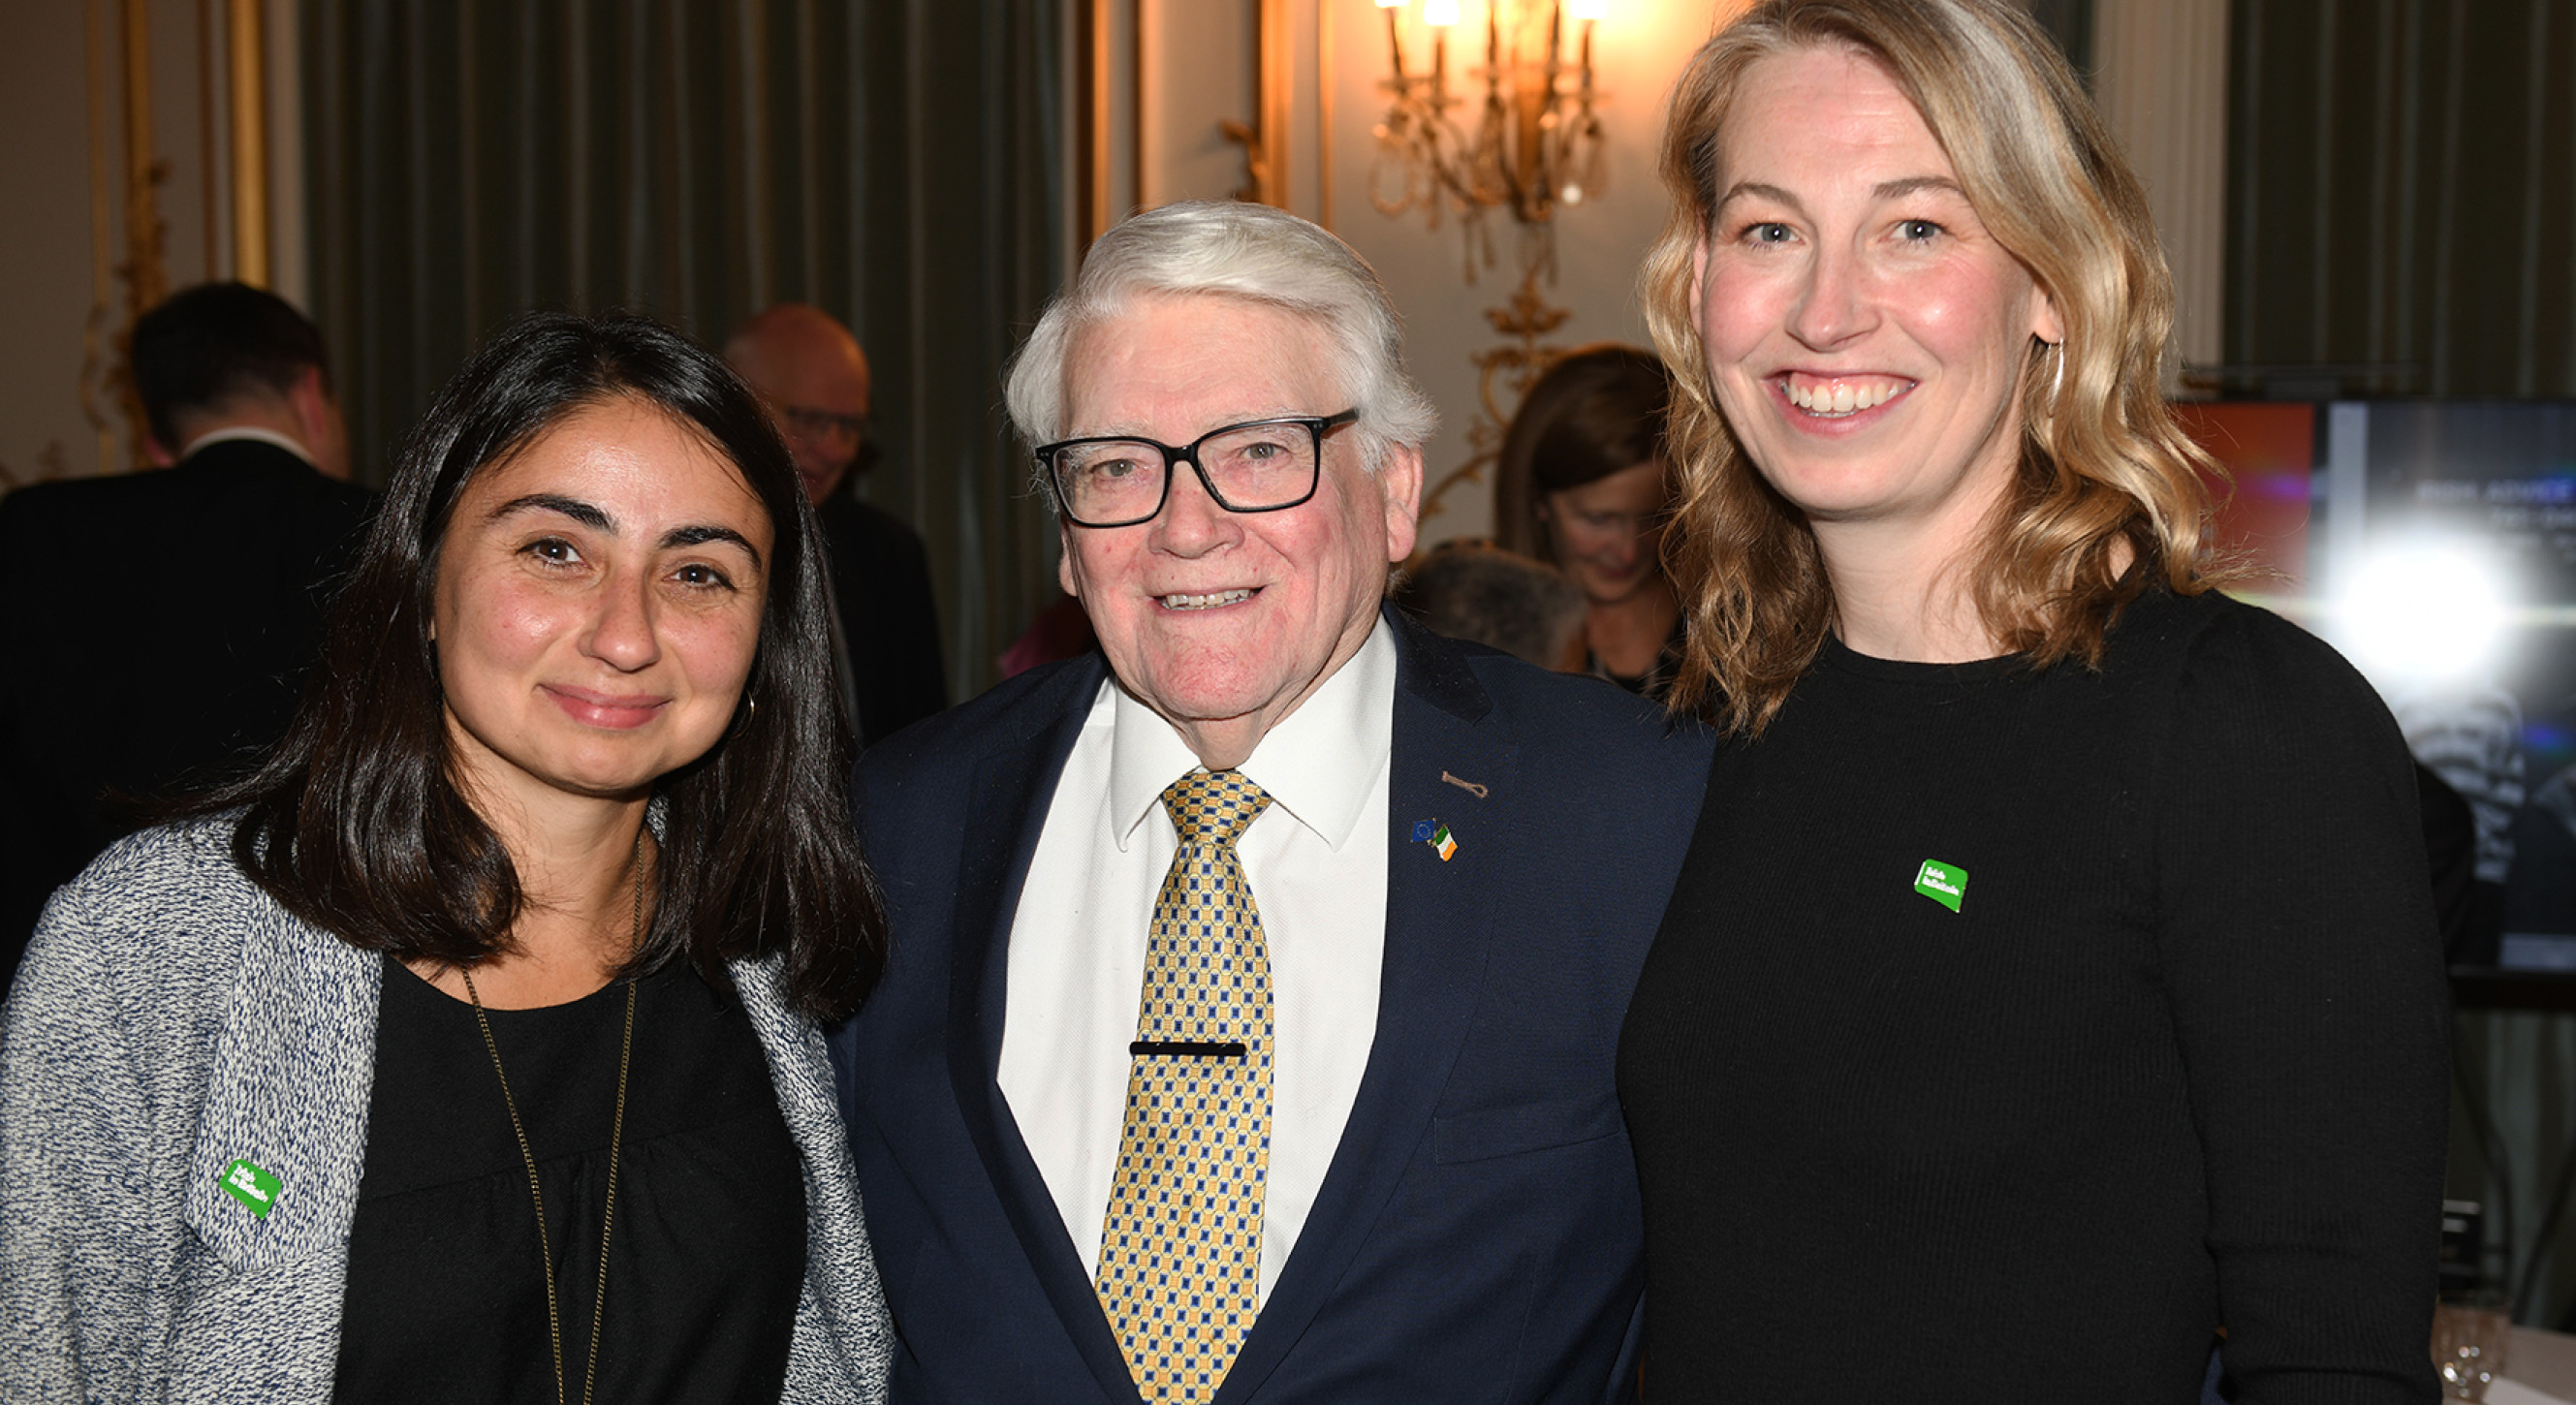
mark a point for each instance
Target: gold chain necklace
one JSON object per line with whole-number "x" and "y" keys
{"x": 616, "y": 1135}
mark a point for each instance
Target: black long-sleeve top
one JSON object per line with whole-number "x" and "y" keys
{"x": 2175, "y": 1062}
{"x": 446, "y": 1296}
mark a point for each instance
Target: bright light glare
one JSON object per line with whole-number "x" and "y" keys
{"x": 1390, "y": 4}
{"x": 2423, "y": 612}
{"x": 1583, "y": 9}
{"x": 1440, "y": 14}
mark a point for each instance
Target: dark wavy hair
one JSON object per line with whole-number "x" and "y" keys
{"x": 355, "y": 821}
{"x": 1594, "y": 412}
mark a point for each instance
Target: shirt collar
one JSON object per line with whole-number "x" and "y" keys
{"x": 1319, "y": 763}
{"x": 245, "y": 431}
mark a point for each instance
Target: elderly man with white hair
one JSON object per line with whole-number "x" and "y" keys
{"x": 1256, "y": 983}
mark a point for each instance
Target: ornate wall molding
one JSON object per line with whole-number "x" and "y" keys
{"x": 246, "y": 47}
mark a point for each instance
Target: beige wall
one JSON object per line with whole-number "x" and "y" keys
{"x": 46, "y": 264}
{"x": 62, "y": 294}
{"x": 1197, "y": 62}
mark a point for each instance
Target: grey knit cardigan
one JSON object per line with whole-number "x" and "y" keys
{"x": 171, "y": 1017}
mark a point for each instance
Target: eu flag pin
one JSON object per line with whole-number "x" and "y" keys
{"x": 1422, "y": 831}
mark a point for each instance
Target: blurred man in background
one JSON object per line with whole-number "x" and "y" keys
{"x": 810, "y": 370}
{"x": 159, "y": 624}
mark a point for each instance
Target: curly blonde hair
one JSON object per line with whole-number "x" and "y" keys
{"x": 2109, "y": 492}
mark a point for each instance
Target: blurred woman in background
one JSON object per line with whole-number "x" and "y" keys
{"x": 2052, "y": 982}
{"x": 1582, "y": 485}
{"x": 467, "y": 1050}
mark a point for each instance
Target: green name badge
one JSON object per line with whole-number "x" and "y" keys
{"x": 1943, "y": 883}
{"x": 250, "y": 1185}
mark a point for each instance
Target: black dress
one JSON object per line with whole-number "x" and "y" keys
{"x": 446, "y": 1299}
{"x": 2010, "y": 1033}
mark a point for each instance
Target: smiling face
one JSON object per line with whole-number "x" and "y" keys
{"x": 1609, "y": 533}
{"x": 1223, "y": 622}
{"x": 598, "y": 606}
{"x": 1865, "y": 334}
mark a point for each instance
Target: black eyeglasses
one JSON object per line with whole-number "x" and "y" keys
{"x": 1258, "y": 466}
{"x": 822, "y": 424}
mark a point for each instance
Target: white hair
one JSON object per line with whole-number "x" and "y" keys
{"x": 1232, "y": 248}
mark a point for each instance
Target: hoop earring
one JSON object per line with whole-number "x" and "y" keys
{"x": 750, "y": 709}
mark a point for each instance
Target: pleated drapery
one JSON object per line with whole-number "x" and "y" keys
{"x": 2402, "y": 197}
{"x": 896, "y": 162}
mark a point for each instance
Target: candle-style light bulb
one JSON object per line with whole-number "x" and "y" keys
{"x": 1440, "y": 14}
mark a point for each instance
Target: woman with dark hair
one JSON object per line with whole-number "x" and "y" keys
{"x": 2052, "y": 983}
{"x": 466, "y": 1050}
{"x": 1582, "y": 485}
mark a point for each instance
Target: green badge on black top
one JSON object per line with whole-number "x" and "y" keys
{"x": 1943, "y": 883}
{"x": 250, "y": 1185}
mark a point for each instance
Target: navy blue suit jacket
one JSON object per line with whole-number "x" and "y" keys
{"x": 1476, "y": 1235}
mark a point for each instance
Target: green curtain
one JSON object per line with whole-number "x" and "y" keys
{"x": 2401, "y": 200}
{"x": 897, "y": 162}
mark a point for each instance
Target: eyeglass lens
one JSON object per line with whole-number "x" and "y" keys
{"x": 1253, "y": 466}
{"x": 816, "y": 424}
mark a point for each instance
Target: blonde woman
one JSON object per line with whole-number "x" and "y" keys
{"x": 2053, "y": 982}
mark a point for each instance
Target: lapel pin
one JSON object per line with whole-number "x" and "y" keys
{"x": 1441, "y": 842}
{"x": 250, "y": 1185}
{"x": 1470, "y": 787}
{"x": 1946, "y": 884}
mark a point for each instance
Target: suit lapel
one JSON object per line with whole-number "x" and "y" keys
{"x": 1011, "y": 791}
{"x": 1438, "y": 913}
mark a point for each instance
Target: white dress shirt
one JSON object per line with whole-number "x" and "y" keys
{"x": 247, "y": 431}
{"x": 1316, "y": 860}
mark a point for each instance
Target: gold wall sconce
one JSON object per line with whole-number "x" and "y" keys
{"x": 1529, "y": 142}
{"x": 1522, "y": 134}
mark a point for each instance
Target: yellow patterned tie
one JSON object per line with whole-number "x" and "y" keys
{"x": 1180, "y": 1251}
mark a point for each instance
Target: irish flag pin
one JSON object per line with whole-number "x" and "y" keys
{"x": 1442, "y": 842}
